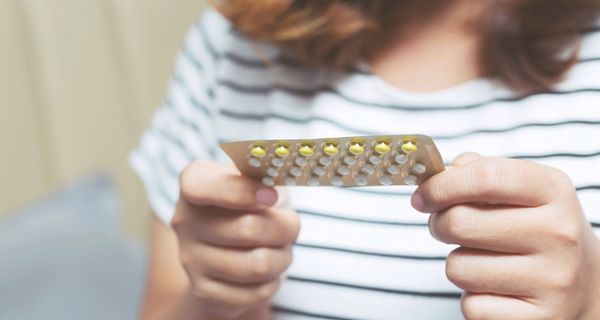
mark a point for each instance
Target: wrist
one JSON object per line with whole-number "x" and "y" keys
{"x": 186, "y": 306}
{"x": 194, "y": 309}
{"x": 592, "y": 309}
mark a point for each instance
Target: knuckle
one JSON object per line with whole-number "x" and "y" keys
{"x": 267, "y": 291}
{"x": 247, "y": 228}
{"x": 471, "y": 309}
{"x": 490, "y": 172}
{"x": 178, "y": 221}
{"x": 192, "y": 181}
{"x": 294, "y": 225}
{"x": 186, "y": 258}
{"x": 568, "y": 235}
{"x": 455, "y": 269}
{"x": 435, "y": 192}
{"x": 260, "y": 265}
{"x": 189, "y": 175}
{"x": 564, "y": 280}
{"x": 458, "y": 228}
{"x": 204, "y": 289}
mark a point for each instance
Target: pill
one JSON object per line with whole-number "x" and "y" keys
{"x": 337, "y": 181}
{"x": 268, "y": 181}
{"x": 295, "y": 171}
{"x": 410, "y": 180}
{"x": 319, "y": 171}
{"x": 325, "y": 161}
{"x": 350, "y": 160}
{"x": 419, "y": 168}
{"x": 331, "y": 149}
{"x": 343, "y": 171}
{"x": 385, "y": 180}
{"x": 356, "y": 149}
{"x": 258, "y": 152}
{"x": 282, "y": 151}
{"x": 382, "y": 147}
{"x": 393, "y": 170}
{"x": 306, "y": 151}
{"x": 254, "y": 162}
{"x": 409, "y": 147}
{"x": 277, "y": 162}
{"x": 361, "y": 180}
{"x": 313, "y": 181}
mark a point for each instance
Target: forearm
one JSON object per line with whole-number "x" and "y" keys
{"x": 184, "y": 306}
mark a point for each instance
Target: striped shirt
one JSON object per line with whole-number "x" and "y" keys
{"x": 362, "y": 253}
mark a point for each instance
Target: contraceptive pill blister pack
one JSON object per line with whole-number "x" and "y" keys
{"x": 342, "y": 162}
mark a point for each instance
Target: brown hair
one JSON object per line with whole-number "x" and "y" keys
{"x": 526, "y": 44}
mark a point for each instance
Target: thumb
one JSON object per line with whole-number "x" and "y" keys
{"x": 465, "y": 159}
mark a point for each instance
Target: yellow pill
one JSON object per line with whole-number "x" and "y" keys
{"x": 282, "y": 151}
{"x": 356, "y": 149}
{"x": 331, "y": 150}
{"x": 258, "y": 152}
{"x": 382, "y": 147}
{"x": 409, "y": 147}
{"x": 306, "y": 151}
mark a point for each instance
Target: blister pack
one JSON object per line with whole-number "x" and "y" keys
{"x": 342, "y": 162}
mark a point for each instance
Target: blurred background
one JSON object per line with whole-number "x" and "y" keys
{"x": 79, "y": 81}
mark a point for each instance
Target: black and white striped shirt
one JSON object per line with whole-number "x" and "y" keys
{"x": 362, "y": 253}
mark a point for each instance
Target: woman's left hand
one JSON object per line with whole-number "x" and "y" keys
{"x": 526, "y": 249}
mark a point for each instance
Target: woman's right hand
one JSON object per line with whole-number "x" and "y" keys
{"x": 234, "y": 236}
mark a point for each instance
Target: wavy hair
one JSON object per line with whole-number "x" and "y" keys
{"x": 526, "y": 44}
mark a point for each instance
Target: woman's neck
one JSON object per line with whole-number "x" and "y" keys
{"x": 435, "y": 54}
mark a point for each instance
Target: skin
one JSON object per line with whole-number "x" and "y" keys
{"x": 526, "y": 249}
{"x": 229, "y": 246}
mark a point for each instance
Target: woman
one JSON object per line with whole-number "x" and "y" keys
{"x": 507, "y": 236}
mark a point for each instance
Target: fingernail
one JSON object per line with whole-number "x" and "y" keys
{"x": 266, "y": 196}
{"x": 417, "y": 201}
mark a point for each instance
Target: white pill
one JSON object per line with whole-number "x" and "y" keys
{"x": 319, "y": 171}
{"x": 290, "y": 181}
{"x": 301, "y": 162}
{"x": 277, "y": 162}
{"x": 361, "y": 180}
{"x": 337, "y": 181}
{"x": 401, "y": 159}
{"x": 313, "y": 181}
{"x": 419, "y": 168}
{"x": 410, "y": 180}
{"x": 325, "y": 161}
{"x": 255, "y": 162}
{"x": 385, "y": 180}
{"x": 273, "y": 172}
{"x": 367, "y": 169}
{"x": 349, "y": 160}
{"x": 393, "y": 170}
{"x": 375, "y": 160}
{"x": 296, "y": 171}
{"x": 268, "y": 181}
{"x": 343, "y": 171}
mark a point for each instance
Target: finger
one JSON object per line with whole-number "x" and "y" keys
{"x": 223, "y": 227}
{"x": 222, "y": 298}
{"x": 489, "y": 306}
{"x": 504, "y": 229}
{"x": 491, "y": 181}
{"x": 213, "y": 184}
{"x": 254, "y": 266}
{"x": 483, "y": 271}
{"x": 465, "y": 158}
